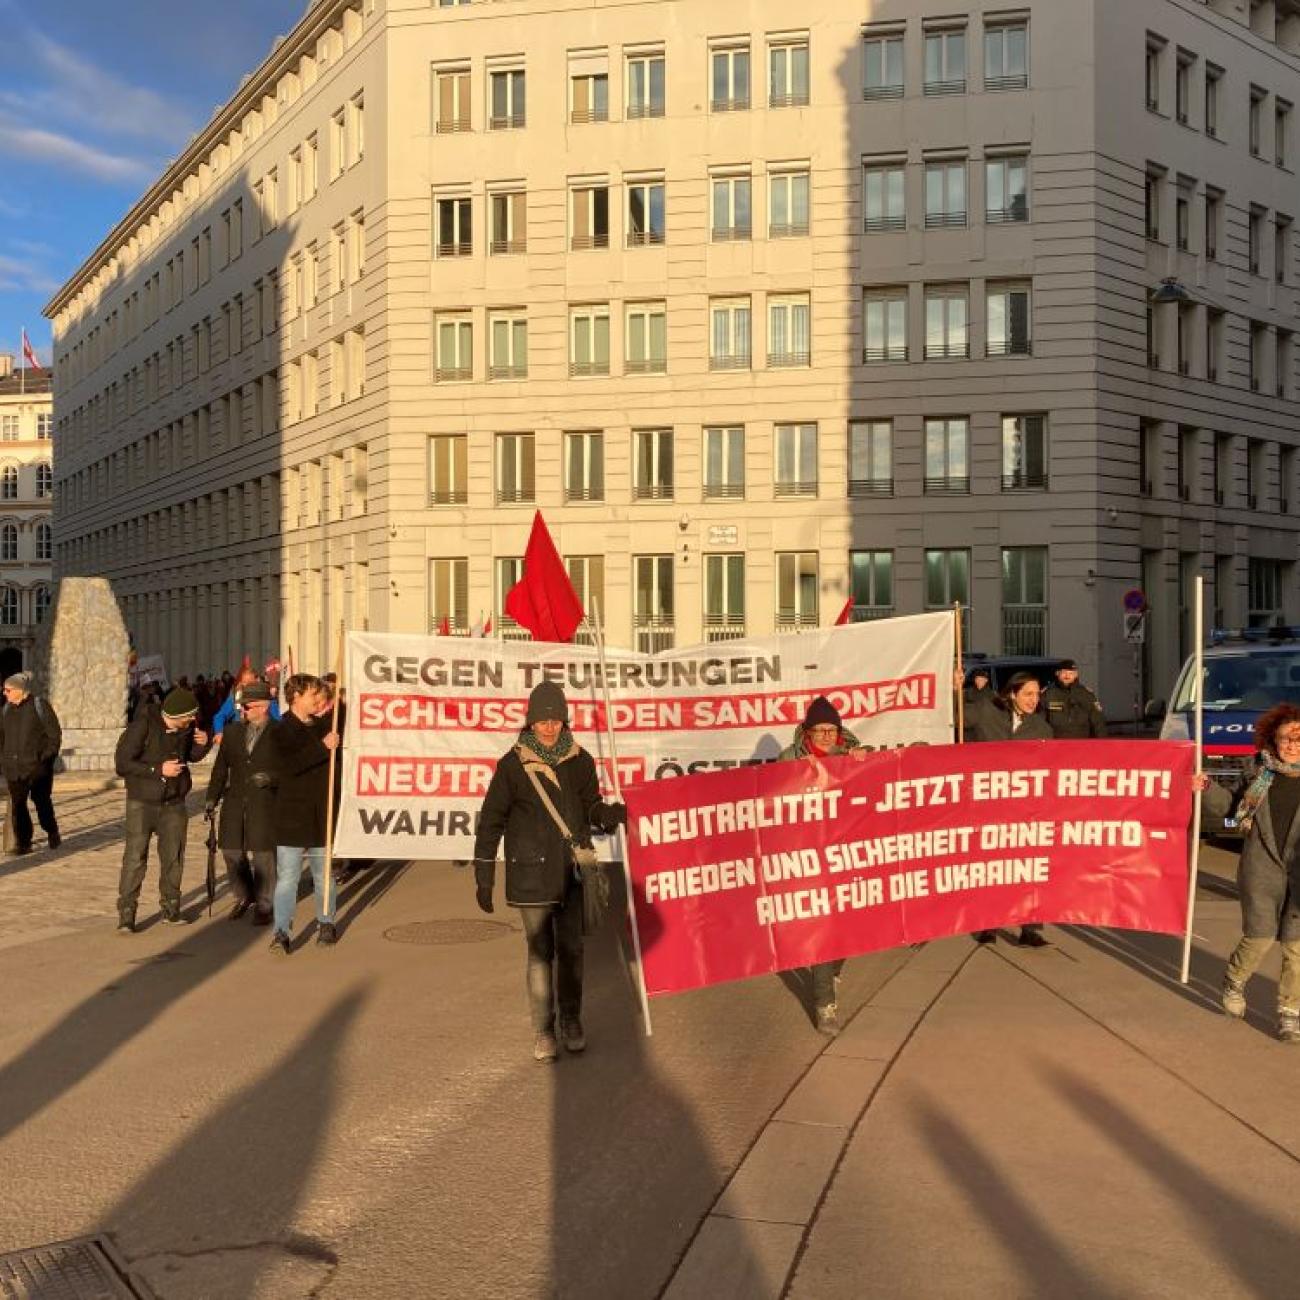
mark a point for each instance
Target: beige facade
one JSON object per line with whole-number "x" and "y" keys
{"x": 26, "y": 500}
{"x": 763, "y": 317}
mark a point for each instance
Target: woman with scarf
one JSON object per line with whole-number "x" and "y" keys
{"x": 1268, "y": 877}
{"x": 545, "y": 767}
{"x": 823, "y": 735}
{"x": 1011, "y": 714}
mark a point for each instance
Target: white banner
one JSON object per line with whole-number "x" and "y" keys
{"x": 428, "y": 717}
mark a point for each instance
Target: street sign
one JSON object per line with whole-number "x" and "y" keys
{"x": 1135, "y": 601}
{"x": 1135, "y": 628}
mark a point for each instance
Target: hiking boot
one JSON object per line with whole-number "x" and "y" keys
{"x": 240, "y": 908}
{"x": 55, "y": 839}
{"x": 986, "y": 936}
{"x": 280, "y": 944}
{"x": 571, "y": 1035}
{"x": 1031, "y": 938}
{"x": 1288, "y": 1024}
{"x": 20, "y": 850}
{"x": 326, "y": 936}
{"x": 828, "y": 1020}
{"x": 545, "y": 1047}
{"x": 126, "y": 925}
{"x": 175, "y": 918}
{"x": 1234, "y": 998}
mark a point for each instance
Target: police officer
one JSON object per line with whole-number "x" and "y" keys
{"x": 1073, "y": 711}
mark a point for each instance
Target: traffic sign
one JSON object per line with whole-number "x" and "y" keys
{"x": 1135, "y": 627}
{"x": 1135, "y": 600}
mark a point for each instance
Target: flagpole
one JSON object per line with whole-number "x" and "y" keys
{"x": 961, "y": 693}
{"x": 594, "y": 624}
{"x": 1198, "y": 670}
{"x": 22, "y": 362}
{"x": 329, "y": 795}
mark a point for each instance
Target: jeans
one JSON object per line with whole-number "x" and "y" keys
{"x": 823, "y": 982}
{"x": 1247, "y": 956}
{"x": 554, "y": 938}
{"x": 40, "y": 788}
{"x": 288, "y": 872}
{"x": 170, "y": 822}
{"x": 251, "y": 875}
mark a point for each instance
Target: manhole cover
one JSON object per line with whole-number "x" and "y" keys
{"x": 441, "y": 932}
{"x": 84, "y": 1269}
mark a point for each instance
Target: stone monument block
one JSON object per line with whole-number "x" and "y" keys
{"x": 81, "y": 668}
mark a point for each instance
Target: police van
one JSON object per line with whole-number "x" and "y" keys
{"x": 1247, "y": 672}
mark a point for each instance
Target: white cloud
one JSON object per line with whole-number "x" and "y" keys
{"x": 50, "y": 147}
{"x": 24, "y": 275}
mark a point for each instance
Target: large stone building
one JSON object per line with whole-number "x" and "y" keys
{"x": 914, "y": 304}
{"x": 26, "y": 498}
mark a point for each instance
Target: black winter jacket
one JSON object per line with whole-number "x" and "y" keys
{"x": 990, "y": 720}
{"x": 143, "y": 748}
{"x": 538, "y": 864}
{"x": 30, "y": 738}
{"x": 247, "y": 808}
{"x": 302, "y": 776}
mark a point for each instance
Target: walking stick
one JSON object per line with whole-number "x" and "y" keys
{"x": 329, "y": 795}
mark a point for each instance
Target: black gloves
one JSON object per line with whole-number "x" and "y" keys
{"x": 484, "y": 895}
{"x": 263, "y": 780}
{"x": 610, "y": 816}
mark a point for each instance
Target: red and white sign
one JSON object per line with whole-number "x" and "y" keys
{"x": 430, "y": 716}
{"x": 765, "y": 869}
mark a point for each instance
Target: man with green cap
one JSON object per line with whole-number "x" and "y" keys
{"x": 153, "y": 756}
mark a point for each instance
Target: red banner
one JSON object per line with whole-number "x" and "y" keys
{"x": 766, "y": 868}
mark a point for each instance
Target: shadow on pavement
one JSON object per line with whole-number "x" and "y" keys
{"x": 1018, "y": 1226}
{"x": 1263, "y": 1251}
{"x": 238, "y": 1180}
{"x": 364, "y": 890}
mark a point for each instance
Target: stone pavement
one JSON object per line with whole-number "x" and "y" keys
{"x": 368, "y": 1122}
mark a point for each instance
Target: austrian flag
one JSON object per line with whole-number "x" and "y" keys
{"x": 29, "y": 353}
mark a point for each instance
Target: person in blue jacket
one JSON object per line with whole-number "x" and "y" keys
{"x": 229, "y": 711}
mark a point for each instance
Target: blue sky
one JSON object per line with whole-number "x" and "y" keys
{"x": 95, "y": 97}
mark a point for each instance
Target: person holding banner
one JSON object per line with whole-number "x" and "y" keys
{"x": 544, "y": 800}
{"x": 1011, "y": 714}
{"x": 1269, "y": 874}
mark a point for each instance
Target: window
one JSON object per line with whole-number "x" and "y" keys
{"x": 645, "y": 213}
{"x": 789, "y": 330}
{"x": 455, "y": 236}
{"x": 730, "y": 79}
{"x": 647, "y": 338}
{"x": 787, "y": 204}
{"x": 652, "y": 468}
{"x": 724, "y": 463}
{"x": 1213, "y": 216}
{"x": 1024, "y": 452}
{"x": 946, "y": 318}
{"x": 9, "y": 542}
{"x": 589, "y": 219}
{"x": 1185, "y": 461}
{"x": 455, "y": 346}
{"x": 516, "y": 469}
{"x": 1265, "y": 585}
{"x": 41, "y": 603}
{"x": 871, "y": 458}
{"x": 449, "y": 596}
{"x": 1281, "y": 247}
{"x": 1286, "y": 480}
{"x": 1006, "y": 189}
{"x": 1254, "y": 472}
{"x": 508, "y": 104}
{"x": 653, "y": 608}
{"x": 448, "y": 469}
{"x": 509, "y": 223}
{"x": 882, "y": 66}
{"x": 587, "y": 573}
{"x": 1285, "y": 355}
{"x": 356, "y": 250}
{"x": 584, "y": 466}
{"x": 1006, "y": 56}
{"x": 797, "y": 584}
{"x": 645, "y": 85}
{"x": 357, "y": 127}
{"x": 1183, "y": 69}
{"x": 945, "y": 193}
{"x": 1213, "y": 76}
{"x": 947, "y": 467}
{"x": 1222, "y": 467}
{"x": 729, "y": 334}
{"x": 1256, "y": 121}
{"x": 1213, "y": 344}
{"x": 310, "y": 168}
{"x": 947, "y": 582}
{"x": 1182, "y": 220}
{"x": 338, "y": 145}
{"x": 796, "y": 460}
{"x": 44, "y": 481}
{"x": 1154, "y": 192}
{"x": 724, "y": 597}
{"x": 9, "y": 607}
{"x": 871, "y": 578}
{"x": 1024, "y": 600}
{"x": 1183, "y": 340}
{"x": 508, "y": 343}
{"x": 1155, "y": 58}
{"x": 945, "y": 62}
{"x": 44, "y": 542}
{"x": 9, "y": 428}
{"x": 1281, "y": 133}
{"x": 788, "y": 74}
{"x": 1008, "y": 320}
{"x": 883, "y": 197}
{"x": 589, "y": 341}
{"x": 1255, "y": 239}
{"x": 732, "y": 217}
{"x": 885, "y": 325}
{"x": 589, "y": 97}
{"x": 452, "y": 102}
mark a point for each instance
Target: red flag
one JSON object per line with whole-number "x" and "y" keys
{"x": 846, "y": 614}
{"x": 444, "y": 628}
{"x": 29, "y": 356}
{"x": 487, "y": 627}
{"x": 544, "y": 600}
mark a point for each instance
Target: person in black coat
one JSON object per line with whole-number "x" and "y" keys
{"x": 154, "y": 755}
{"x": 1073, "y": 711}
{"x": 1012, "y": 714}
{"x": 243, "y": 783}
{"x": 30, "y": 739}
{"x": 541, "y": 877}
{"x": 301, "y": 742}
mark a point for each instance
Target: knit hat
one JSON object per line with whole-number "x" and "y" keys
{"x": 179, "y": 704}
{"x": 821, "y": 713}
{"x": 19, "y": 682}
{"x": 255, "y": 693}
{"x": 1067, "y": 664}
{"x": 546, "y": 704}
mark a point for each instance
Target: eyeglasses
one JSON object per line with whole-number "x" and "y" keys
{"x": 1291, "y": 738}
{"x": 823, "y": 731}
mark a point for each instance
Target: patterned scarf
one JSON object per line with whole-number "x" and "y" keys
{"x": 560, "y": 751}
{"x": 1257, "y": 792}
